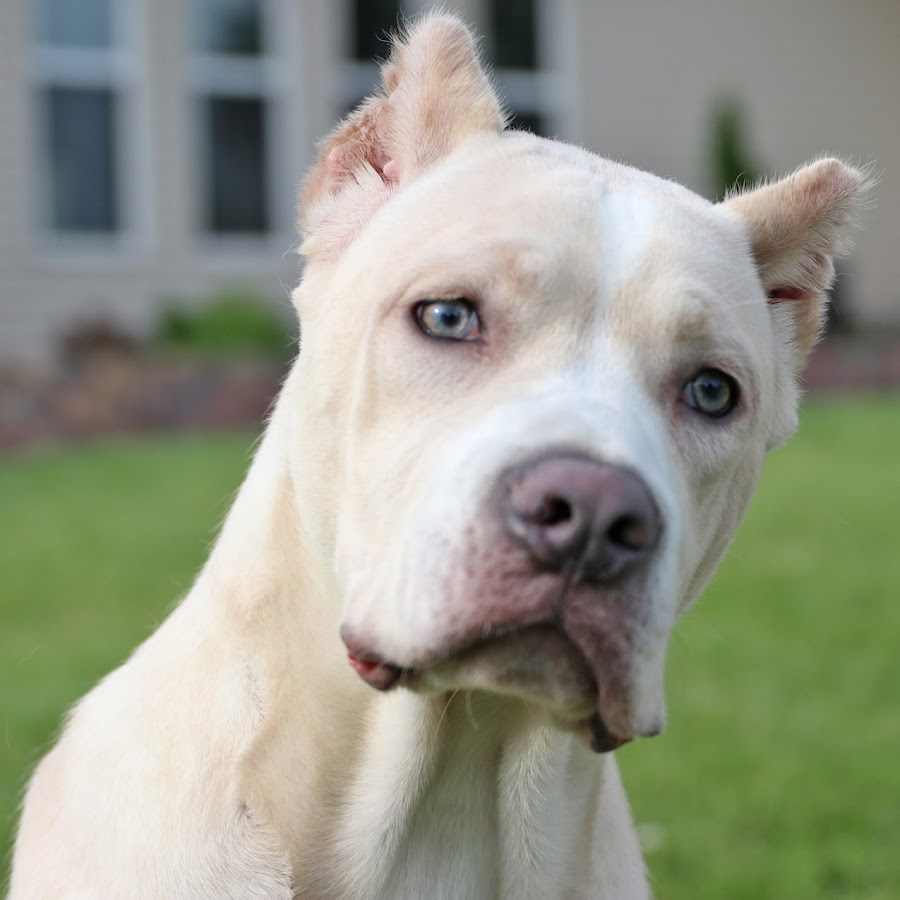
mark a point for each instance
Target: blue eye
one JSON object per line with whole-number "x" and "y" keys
{"x": 452, "y": 320}
{"x": 711, "y": 393}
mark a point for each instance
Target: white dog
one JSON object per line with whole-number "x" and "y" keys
{"x": 534, "y": 394}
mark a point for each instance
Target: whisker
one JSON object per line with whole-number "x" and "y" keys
{"x": 446, "y": 707}
{"x": 469, "y": 712}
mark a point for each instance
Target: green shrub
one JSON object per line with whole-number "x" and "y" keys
{"x": 230, "y": 324}
{"x": 733, "y": 166}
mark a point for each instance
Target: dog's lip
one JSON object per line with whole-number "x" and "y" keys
{"x": 376, "y": 673}
{"x": 602, "y": 740}
{"x": 382, "y": 675}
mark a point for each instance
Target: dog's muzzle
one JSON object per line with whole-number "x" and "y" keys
{"x": 578, "y": 536}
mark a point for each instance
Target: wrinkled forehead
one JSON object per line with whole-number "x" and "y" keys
{"x": 565, "y": 229}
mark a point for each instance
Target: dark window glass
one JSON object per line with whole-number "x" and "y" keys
{"x": 527, "y": 121}
{"x": 228, "y": 26}
{"x": 75, "y": 23}
{"x": 514, "y": 34}
{"x": 373, "y": 20}
{"x": 237, "y": 189}
{"x": 81, "y": 125}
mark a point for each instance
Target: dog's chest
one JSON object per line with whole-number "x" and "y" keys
{"x": 451, "y": 849}
{"x": 491, "y": 819}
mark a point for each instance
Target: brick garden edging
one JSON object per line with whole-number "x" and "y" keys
{"x": 119, "y": 392}
{"x": 846, "y": 364}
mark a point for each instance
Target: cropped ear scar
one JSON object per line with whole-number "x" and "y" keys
{"x": 341, "y": 162}
{"x": 786, "y": 293}
{"x": 391, "y": 171}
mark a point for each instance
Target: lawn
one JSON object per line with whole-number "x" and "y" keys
{"x": 779, "y": 774}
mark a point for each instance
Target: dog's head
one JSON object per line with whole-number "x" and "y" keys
{"x": 536, "y": 388}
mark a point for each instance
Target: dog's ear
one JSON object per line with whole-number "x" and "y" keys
{"x": 796, "y": 227}
{"x": 434, "y": 94}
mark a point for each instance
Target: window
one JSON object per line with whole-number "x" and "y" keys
{"x": 372, "y": 23}
{"x": 515, "y": 50}
{"x": 235, "y": 93}
{"x": 231, "y": 27}
{"x": 80, "y": 126}
{"x": 236, "y": 189}
{"x": 513, "y": 30}
{"x": 82, "y": 82}
{"x": 513, "y": 45}
{"x": 75, "y": 23}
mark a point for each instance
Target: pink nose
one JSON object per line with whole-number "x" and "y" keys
{"x": 598, "y": 519}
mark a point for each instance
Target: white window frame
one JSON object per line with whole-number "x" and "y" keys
{"x": 265, "y": 77}
{"x": 119, "y": 68}
{"x": 543, "y": 91}
{"x": 536, "y": 91}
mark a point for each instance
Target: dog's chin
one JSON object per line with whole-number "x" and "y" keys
{"x": 537, "y": 664}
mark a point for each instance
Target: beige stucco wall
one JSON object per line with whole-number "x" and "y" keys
{"x": 637, "y": 81}
{"x": 47, "y": 286}
{"x": 813, "y": 75}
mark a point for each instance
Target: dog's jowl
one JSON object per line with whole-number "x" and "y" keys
{"x": 534, "y": 394}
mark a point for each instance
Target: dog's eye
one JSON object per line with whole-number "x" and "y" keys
{"x": 452, "y": 320}
{"x": 711, "y": 393}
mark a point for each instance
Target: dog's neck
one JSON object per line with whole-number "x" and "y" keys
{"x": 380, "y": 786}
{"x": 476, "y": 794}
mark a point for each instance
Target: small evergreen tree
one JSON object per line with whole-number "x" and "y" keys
{"x": 733, "y": 167}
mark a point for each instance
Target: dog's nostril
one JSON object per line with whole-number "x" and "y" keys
{"x": 632, "y": 533}
{"x": 569, "y": 509}
{"x": 552, "y": 511}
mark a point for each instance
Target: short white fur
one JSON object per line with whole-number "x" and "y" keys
{"x": 236, "y": 754}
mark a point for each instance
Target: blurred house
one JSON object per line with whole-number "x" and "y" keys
{"x": 150, "y": 149}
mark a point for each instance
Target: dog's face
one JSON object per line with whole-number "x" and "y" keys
{"x": 535, "y": 391}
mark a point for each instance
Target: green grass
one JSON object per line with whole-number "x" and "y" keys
{"x": 96, "y": 545}
{"x": 778, "y": 775}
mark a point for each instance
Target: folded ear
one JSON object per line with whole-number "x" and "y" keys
{"x": 796, "y": 227}
{"x": 434, "y": 94}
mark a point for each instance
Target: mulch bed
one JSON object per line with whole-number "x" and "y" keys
{"x": 122, "y": 392}
{"x": 848, "y": 364}
{"x": 127, "y": 394}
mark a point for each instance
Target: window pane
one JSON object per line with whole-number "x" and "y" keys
{"x": 237, "y": 186}
{"x": 514, "y": 33}
{"x": 228, "y": 26}
{"x": 373, "y": 20}
{"x": 82, "y": 153}
{"x": 75, "y": 23}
